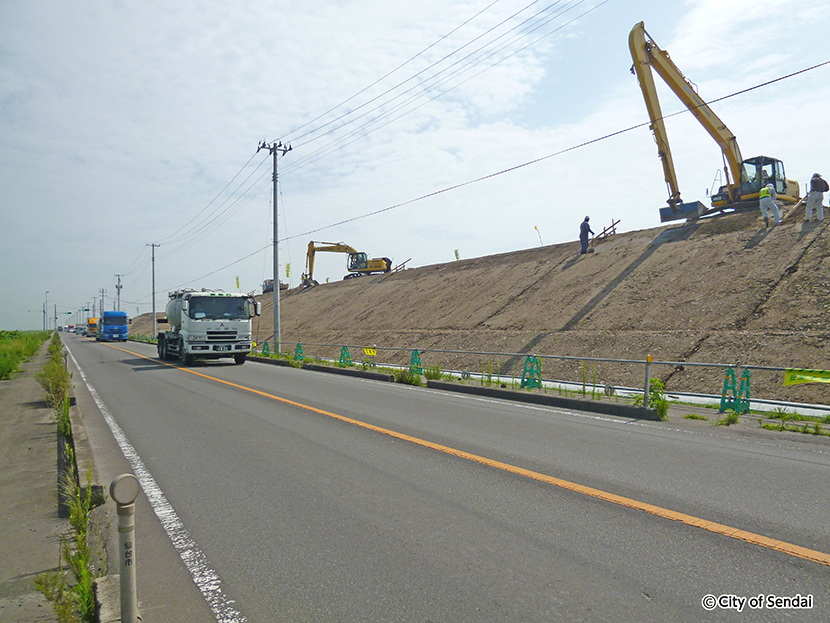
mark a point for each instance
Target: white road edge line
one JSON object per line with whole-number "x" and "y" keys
{"x": 205, "y": 578}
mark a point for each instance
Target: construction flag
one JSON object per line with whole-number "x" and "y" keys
{"x": 237, "y": 283}
{"x": 794, "y": 376}
{"x": 288, "y": 269}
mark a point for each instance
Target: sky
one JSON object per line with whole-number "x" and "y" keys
{"x": 418, "y": 131}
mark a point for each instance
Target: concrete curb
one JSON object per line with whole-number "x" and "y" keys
{"x": 83, "y": 457}
{"x": 270, "y": 361}
{"x": 108, "y": 598}
{"x": 592, "y": 406}
{"x": 365, "y": 374}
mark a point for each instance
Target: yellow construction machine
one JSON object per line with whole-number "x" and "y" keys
{"x": 357, "y": 263}
{"x": 744, "y": 178}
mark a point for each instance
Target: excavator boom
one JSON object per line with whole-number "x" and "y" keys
{"x": 357, "y": 263}
{"x": 743, "y": 177}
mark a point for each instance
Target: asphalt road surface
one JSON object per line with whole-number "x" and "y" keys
{"x": 304, "y": 496}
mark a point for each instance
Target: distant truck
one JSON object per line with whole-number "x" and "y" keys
{"x": 208, "y": 324}
{"x": 91, "y": 327}
{"x": 112, "y": 326}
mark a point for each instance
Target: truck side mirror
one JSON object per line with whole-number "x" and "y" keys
{"x": 257, "y": 308}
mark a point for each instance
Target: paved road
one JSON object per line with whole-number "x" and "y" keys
{"x": 305, "y": 514}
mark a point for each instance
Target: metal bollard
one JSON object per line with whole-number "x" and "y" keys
{"x": 648, "y": 382}
{"x": 124, "y": 490}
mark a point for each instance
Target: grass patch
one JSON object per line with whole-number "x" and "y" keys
{"x": 16, "y": 347}
{"x": 694, "y": 416}
{"x": 656, "y": 399}
{"x": 433, "y": 373}
{"x": 406, "y": 377}
{"x": 728, "y": 420}
{"x": 72, "y": 598}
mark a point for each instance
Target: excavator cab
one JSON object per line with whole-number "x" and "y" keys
{"x": 756, "y": 173}
{"x": 357, "y": 262}
{"x": 760, "y": 171}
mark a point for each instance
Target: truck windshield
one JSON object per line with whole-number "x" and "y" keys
{"x": 218, "y": 308}
{"x": 108, "y": 320}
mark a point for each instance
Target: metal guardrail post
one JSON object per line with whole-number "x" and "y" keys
{"x": 648, "y": 382}
{"x": 124, "y": 489}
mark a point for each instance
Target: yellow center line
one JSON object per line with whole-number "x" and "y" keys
{"x": 743, "y": 535}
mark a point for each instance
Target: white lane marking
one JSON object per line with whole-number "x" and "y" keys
{"x": 205, "y": 578}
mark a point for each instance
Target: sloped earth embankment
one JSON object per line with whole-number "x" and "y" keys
{"x": 721, "y": 290}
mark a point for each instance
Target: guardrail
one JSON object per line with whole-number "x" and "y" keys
{"x": 730, "y": 381}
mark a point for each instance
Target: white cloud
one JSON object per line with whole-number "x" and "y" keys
{"x": 122, "y": 123}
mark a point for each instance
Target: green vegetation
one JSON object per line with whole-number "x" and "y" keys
{"x": 806, "y": 429}
{"x": 403, "y": 375}
{"x": 138, "y": 337}
{"x": 434, "y": 373}
{"x": 54, "y": 378}
{"x": 728, "y": 420}
{"x": 656, "y": 399}
{"x": 693, "y": 416}
{"x": 72, "y": 602}
{"x": 17, "y": 346}
{"x": 75, "y": 602}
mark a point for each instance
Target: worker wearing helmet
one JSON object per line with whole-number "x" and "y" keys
{"x": 584, "y": 230}
{"x": 767, "y": 196}
{"x": 818, "y": 187}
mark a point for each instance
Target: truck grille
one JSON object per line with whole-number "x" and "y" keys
{"x": 221, "y": 335}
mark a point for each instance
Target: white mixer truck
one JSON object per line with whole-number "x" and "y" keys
{"x": 207, "y": 324}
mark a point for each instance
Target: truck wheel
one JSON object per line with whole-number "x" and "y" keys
{"x": 162, "y": 348}
{"x": 239, "y": 358}
{"x": 186, "y": 358}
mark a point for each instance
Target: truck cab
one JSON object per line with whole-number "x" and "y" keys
{"x": 208, "y": 324}
{"x": 113, "y": 326}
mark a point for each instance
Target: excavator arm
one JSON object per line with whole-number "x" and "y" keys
{"x": 744, "y": 178}
{"x": 313, "y": 248}
{"x": 357, "y": 264}
{"x": 647, "y": 55}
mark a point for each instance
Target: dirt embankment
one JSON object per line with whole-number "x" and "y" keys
{"x": 721, "y": 290}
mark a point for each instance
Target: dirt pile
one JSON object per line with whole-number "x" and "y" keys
{"x": 719, "y": 290}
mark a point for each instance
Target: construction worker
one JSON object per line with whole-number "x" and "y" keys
{"x": 818, "y": 187}
{"x": 768, "y": 196}
{"x": 584, "y": 230}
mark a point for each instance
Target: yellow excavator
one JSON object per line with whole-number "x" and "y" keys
{"x": 357, "y": 263}
{"x": 744, "y": 178}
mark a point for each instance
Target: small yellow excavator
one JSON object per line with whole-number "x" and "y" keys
{"x": 744, "y": 178}
{"x": 357, "y": 263}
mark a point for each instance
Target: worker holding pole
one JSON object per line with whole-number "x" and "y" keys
{"x": 584, "y": 230}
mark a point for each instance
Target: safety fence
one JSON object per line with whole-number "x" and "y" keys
{"x": 731, "y": 382}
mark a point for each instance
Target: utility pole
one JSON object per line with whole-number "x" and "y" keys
{"x": 102, "y": 300}
{"x": 154, "y": 286}
{"x": 118, "y": 293}
{"x": 275, "y": 149}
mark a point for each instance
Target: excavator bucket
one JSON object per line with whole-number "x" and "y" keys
{"x": 690, "y": 210}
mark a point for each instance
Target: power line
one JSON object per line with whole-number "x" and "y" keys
{"x": 507, "y": 170}
{"x": 347, "y": 100}
{"x": 362, "y": 131}
{"x": 432, "y": 82}
{"x": 549, "y": 156}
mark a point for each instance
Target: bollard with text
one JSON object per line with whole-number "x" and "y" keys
{"x": 124, "y": 490}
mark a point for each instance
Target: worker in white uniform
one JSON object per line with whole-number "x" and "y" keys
{"x": 768, "y": 196}
{"x": 818, "y": 187}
